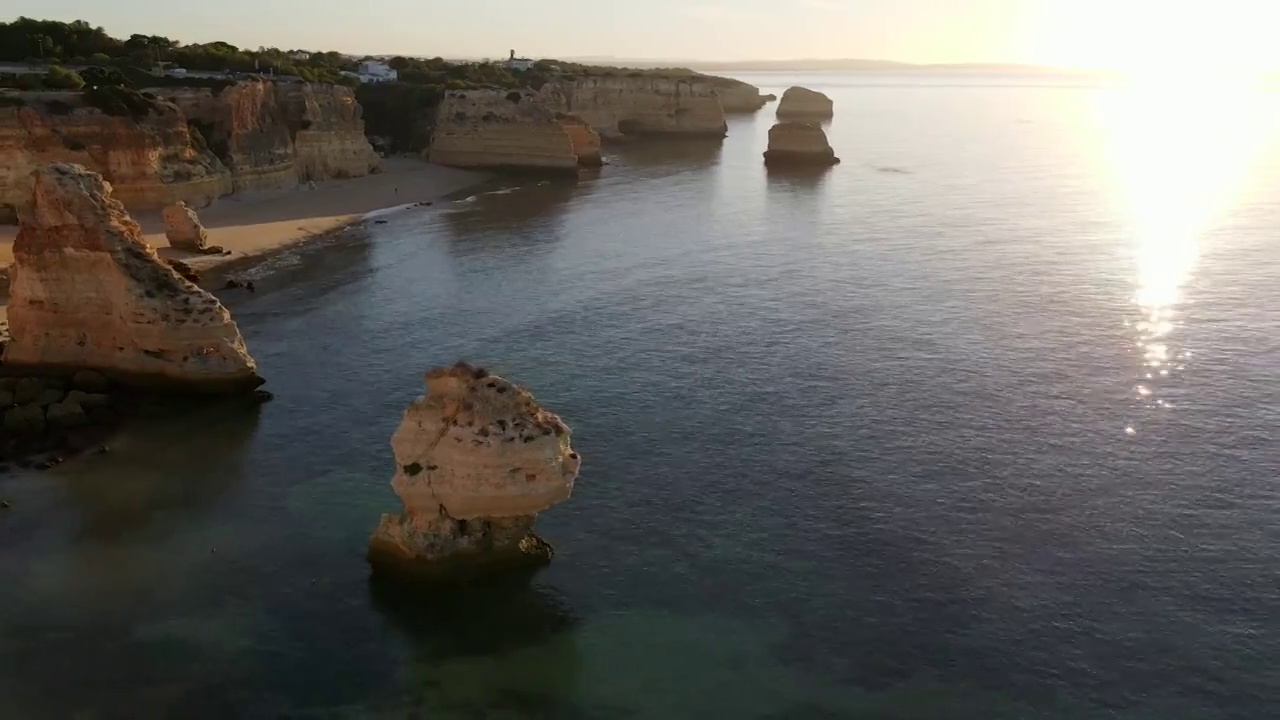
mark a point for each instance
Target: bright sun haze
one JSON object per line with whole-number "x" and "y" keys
{"x": 1134, "y": 36}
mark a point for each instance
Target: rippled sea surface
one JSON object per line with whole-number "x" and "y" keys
{"x": 982, "y": 423}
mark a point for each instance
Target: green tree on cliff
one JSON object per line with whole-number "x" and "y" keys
{"x": 59, "y": 78}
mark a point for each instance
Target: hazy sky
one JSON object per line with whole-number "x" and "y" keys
{"x": 1086, "y": 33}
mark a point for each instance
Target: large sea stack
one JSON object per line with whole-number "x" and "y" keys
{"x": 88, "y": 293}
{"x": 799, "y": 144}
{"x": 476, "y": 459}
{"x": 804, "y": 104}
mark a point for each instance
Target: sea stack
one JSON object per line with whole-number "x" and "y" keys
{"x": 805, "y": 104}
{"x": 799, "y": 144}
{"x": 88, "y": 293}
{"x": 476, "y": 460}
{"x": 183, "y": 229}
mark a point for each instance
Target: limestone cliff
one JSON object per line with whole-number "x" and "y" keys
{"x": 508, "y": 129}
{"x": 273, "y": 136}
{"x": 151, "y": 161}
{"x": 476, "y": 459}
{"x": 86, "y": 292}
{"x": 799, "y": 144}
{"x": 246, "y": 127}
{"x": 737, "y": 96}
{"x": 639, "y": 105}
{"x": 328, "y": 132}
{"x": 586, "y": 142}
{"x": 805, "y": 104}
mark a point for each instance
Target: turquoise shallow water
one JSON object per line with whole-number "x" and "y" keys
{"x": 874, "y": 443}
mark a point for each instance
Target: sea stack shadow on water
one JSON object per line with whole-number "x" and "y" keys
{"x": 476, "y": 459}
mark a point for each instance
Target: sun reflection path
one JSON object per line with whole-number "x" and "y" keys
{"x": 1181, "y": 155}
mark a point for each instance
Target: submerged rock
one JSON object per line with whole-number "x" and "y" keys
{"x": 183, "y": 229}
{"x": 803, "y": 103}
{"x": 476, "y": 459}
{"x": 799, "y": 144}
{"x": 89, "y": 294}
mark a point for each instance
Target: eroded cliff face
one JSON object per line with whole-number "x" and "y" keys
{"x": 151, "y": 161}
{"x": 506, "y": 129}
{"x": 328, "y": 132}
{"x": 476, "y": 459}
{"x": 246, "y": 127}
{"x": 86, "y": 292}
{"x": 273, "y": 136}
{"x": 641, "y": 105}
{"x": 799, "y": 144}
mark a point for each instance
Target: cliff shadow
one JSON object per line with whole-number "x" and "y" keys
{"x": 500, "y": 647}
{"x": 523, "y": 208}
{"x": 666, "y": 153}
{"x": 164, "y": 466}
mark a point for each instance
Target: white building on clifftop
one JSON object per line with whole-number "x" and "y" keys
{"x": 520, "y": 64}
{"x": 376, "y": 71}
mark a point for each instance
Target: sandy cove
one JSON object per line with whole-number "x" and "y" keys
{"x": 256, "y": 223}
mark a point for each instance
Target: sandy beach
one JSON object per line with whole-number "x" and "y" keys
{"x": 255, "y": 223}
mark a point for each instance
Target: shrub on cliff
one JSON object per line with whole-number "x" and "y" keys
{"x": 60, "y": 78}
{"x": 120, "y": 102}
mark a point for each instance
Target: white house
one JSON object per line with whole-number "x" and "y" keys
{"x": 520, "y": 64}
{"x": 376, "y": 71}
{"x": 301, "y": 55}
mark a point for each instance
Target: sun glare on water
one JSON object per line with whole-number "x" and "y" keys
{"x": 1184, "y": 125}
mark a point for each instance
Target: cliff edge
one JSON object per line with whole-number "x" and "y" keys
{"x": 617, "y": 105}
{"x": 509, "y": 129}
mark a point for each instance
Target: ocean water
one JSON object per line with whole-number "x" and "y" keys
{"x": 981, "y": 423}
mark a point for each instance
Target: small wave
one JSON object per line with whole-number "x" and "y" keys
{"x": 387, "y": 211}
{"x": 897, "y": 171}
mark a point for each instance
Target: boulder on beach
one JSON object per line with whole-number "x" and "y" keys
{"x": 183, "y": 229}
{"x": 88, "y": 293}
{"x": 476, "y": 460}
{"x": 805, "y": 104}
{"x": 799, "y": 144}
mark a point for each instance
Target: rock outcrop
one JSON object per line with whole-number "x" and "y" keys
{"x": 799, "y": 144}
{"x": 86, "y": 292}
{"x": 150, "y": 160}
{"x": 508, "y": 129}
{"x": 183, "y": 230}
{"x": 476, "y": 459}
{"x": 805, "y": 104}
{"x": 328, "y": 132}
{"x": 739, "y": 97}
{"x": 617, "y": 105}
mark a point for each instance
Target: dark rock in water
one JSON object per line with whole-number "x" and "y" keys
{"x": 214, "y": 250}
{"x": 262, "y": 396}
{"x": 25, "y": 420}
{"x": 66, "y": 415}
{"x": 5, "y": 504}
{"x": 8, "y": 383}
{"x": 6, "y": 398}
{"x": 184, "y": 270}
{"x": 90, "y": 381}
{"x": 379, "y": 222}
{"x": 49, "y": 397}
{"x": 232, "y": 284}
{"x": 27, "y": 390}
{"x": 250, "y": 286}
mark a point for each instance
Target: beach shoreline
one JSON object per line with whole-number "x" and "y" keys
{"x": 253, "y": 225}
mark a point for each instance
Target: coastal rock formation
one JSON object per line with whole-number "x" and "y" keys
{"x": 183, "y": 229}
{"x": 328, "y": 132}
{"x": 476, "y": 459}
{"x": 586, "y": 142}
{"x": 86, "y": 292}
{"x": 639, "y": 104}
{"x": 739, "y": 97}
{"x": 805, "y": 104}
{"x": 501, "y": 129}
{"x": 150, "y": 160}
{"x": 799, "y": 144}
